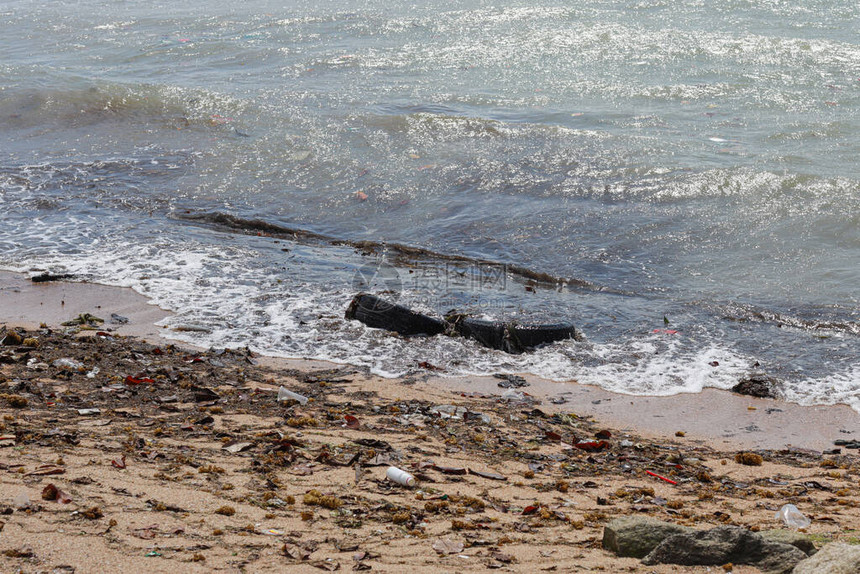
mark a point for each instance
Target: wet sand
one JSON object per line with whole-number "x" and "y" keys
{"x": 714, "y": 417}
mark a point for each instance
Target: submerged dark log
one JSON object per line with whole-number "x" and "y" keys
{"x": 508, "y": 337}
{"x": 491, "y": 334}
{"x": 45, "y": 277}
{"x": 380, "y": 314}
{"x": 531, "y": 336}
{"x": 511, "y": 337}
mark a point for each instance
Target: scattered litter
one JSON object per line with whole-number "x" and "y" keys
{"x": 237, "y": 446}
{"x": 51, "y": 492}
{"x": 447, "y": 546}
{"x": 285, "y": 395}
{"x": 655, "y": 475}
{"x": 67, "y": 363}
{"x": 399, "y": 476}
{"x": 21, "y": 501}
{"x": 792, "y": 517}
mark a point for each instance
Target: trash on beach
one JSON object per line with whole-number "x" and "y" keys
{"x": 137, "y": 381}
{"x": 399, "y": 476}
{"x": 237, "y": 446}
{"x": 351, "y": 422}
{"x": 792, "y": 517}
{"x": 21, "y": 501}
{"x": 512, "y": 395}
{"x": 448, "y": 411}
{"x": 118, "y": 319}
{"x": 663, "y": 478}
{"x": 88, "y": 412}
{"x": 68, "y": 363}
{"x": 448, "y": 546}
{"x": 285, "y": 395}
{"x": 592, "y": 446}
{"x": 51, "y": 492}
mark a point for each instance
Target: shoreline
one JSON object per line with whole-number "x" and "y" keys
{"x": 120, "y": 450}
{"x": 717, "y": 418}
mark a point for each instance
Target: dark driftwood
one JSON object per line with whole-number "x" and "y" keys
{"x": 380, "y": 314}
{"x": 45, "y": 277}
{"x": 508, "y": 337}
{"x": 511, "y": 337}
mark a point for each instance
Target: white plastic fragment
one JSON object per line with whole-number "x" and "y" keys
{"x": 288, "y": 395}
{"x": 21, "y": 501}
{"x": 792, "y": 517}
{"x": 68, "y": 363}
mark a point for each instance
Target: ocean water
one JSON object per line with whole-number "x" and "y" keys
{"x": 678, "y": 179}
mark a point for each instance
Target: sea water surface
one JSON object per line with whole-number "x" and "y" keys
{"x": 678, "y": 179}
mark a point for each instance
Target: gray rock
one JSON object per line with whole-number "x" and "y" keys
{"x": 726, "y": 544}
{"x": 796, "y": 539}
{"x": 833, "y": 558}
{"x": 636, "y": 536}
{"x": 758, "y": 385}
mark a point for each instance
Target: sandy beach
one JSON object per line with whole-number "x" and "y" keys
{"x": 121, "y": 450}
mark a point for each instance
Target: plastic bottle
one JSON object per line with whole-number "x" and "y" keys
{"x": 400, "y": 476}
{"x": 792, "y": 517}
{"x": 288, "y": 395}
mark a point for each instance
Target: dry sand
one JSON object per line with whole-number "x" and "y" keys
{"x": 149, "y": 475}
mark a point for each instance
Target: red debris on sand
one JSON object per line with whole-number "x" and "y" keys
{"x": 351, "y": 421}
{"x": 591, "y": 446}
{"x": 670, "y": 481}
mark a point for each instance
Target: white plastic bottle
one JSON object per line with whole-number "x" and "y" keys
{"x": 400, "y": 476}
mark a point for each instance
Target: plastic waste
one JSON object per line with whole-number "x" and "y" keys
{"x": 67, "y": 363}
{"x": 400, "y": 476}
{"x": 512, "y": 395}
{"x": 21, "y": 501}
{"x": 792, "y": 517}
{"x": 288, "y": 395}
